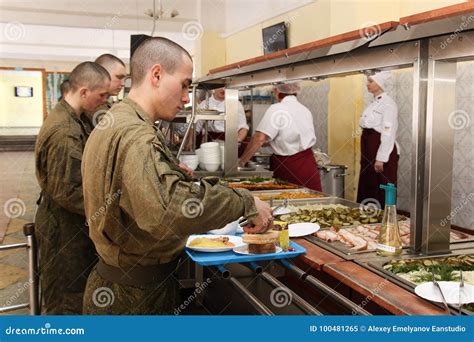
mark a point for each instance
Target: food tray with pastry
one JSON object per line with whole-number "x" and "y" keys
{"x": 258, "y": 184}
{"x": 259, "y": 248}
{"x": 290, "y": 195}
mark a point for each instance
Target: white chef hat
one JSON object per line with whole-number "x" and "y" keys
{"x": 288, "y": 88}
{"x": 382, "y": 78}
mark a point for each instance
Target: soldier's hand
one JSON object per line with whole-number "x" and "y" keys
{"x": 263, "y": 221}
{"x": 186, "y": 169}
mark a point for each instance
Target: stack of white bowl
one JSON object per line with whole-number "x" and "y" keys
{"x": 210, "y": 156}
{"x": 222, "y": 156}
{"x": 191, "y": 160}
{"x": 201, "y": 163}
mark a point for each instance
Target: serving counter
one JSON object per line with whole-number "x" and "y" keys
{"x": 328, "y": 279}
{"x": 325, "y": 280}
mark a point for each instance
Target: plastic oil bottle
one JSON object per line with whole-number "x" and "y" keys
{"x": 389, "y": 239}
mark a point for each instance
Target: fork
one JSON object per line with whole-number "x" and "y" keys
{"x": 436, "y": 284}
{"x": 461, "y": 287}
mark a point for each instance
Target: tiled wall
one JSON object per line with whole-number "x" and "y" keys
{"x": 463, "y": 170}
{"x": 315, "y": 97}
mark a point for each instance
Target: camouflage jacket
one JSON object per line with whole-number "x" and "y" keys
{"x": 58, "y": 156}
{"x": 139, "y": 204}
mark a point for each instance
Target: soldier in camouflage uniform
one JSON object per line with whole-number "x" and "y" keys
{"x": 66, "y": 253}
{"x": 117, "y": 71}
{"x": 142, "y": 205}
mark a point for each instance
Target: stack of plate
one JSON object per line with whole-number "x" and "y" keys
{"x": 210, "y": 156}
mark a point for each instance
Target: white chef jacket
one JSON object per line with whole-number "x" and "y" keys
{"x": 219, "y": 126}
{"x": 289, "y": 125}
{"x": 382, "y": 116}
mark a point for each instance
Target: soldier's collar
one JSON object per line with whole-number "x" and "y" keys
{"x": 141, "y": 113}
{"x": 70, "y": 110}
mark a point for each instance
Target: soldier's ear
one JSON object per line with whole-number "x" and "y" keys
{"x": 82, "y": 92}
{"x": 156, "y": 74}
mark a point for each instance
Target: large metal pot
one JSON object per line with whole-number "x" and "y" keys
{"x": 332, "y": 179}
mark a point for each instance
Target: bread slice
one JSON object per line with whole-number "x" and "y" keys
{"x": 270, "y": 236}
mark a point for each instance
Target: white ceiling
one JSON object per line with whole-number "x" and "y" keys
{"x": 224, "y": 16}
{"x": 110, "y": 14}
{"x": 74, "y": 30}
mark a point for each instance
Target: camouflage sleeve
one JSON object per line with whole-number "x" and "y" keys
{"x": 64, "y": 180}
{"x": 160, "y": 199}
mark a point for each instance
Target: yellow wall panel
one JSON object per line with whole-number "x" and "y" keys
{"x": 21, "y": 111}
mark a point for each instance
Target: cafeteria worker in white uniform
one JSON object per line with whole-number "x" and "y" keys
{"x": 379, "y": 150}
{"x": 216, "y": 129}
{"x": 288, "y": 128}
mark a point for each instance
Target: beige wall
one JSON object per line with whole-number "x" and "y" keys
{"x": 21, "y": 111}
{"x": 325, "y": 18}
{"x": 57, "y": 66}
{"x": 214, "y": 51}
{"x": 306, "y": 24}
{"x": 345, "y": 104}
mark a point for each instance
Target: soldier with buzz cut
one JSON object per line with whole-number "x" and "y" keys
{"x": 66, "y": 254}
{"x": 117, "y": 71}
{"x": 141, "y": 204}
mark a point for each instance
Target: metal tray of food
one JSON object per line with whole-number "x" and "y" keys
{"x": 341, "y": 239}
{"x": 289, "y": 194}
{"x": 330, "y": 212}
{"x": 258, "y": 184}
{"x": 417, "y": 269}
{"x": 324, "y": 201}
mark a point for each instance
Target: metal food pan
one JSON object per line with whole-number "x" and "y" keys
{"x": 324, "y": 201}
{"x": 345, "y": 249}
{"x": 338, "y": 248}
{"x": 271, "y": 193}
{"x": 376, "y": 265}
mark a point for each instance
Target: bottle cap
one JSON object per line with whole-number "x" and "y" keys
{"x": 390, "y": 193}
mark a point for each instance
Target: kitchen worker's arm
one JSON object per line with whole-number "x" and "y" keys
{"x": 243, "y": 127}
{"x": 387, "y": 136}
{"x": 255, "y": 144}
{"x": 160, "y": 198}
{"x": 242, "y": 134}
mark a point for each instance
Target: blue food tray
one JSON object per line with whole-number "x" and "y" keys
{"x": 229, "y": 257}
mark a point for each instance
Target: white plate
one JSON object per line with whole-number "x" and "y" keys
{"x": 302, "y": 229}
{"x": 450, "y": 290}
{"x": 236, "y": 240}
{"x": 245, "y": 250}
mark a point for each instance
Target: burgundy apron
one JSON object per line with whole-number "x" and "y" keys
{"x": 369, "y": 180}
{"x": 300, "y": 169}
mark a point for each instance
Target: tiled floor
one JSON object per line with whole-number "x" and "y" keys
{"x": 19, "y": 191}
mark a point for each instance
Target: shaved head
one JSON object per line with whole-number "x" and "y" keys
{"x": 156, "y": 50}
{"x": 107, "y": 61}
{"x": 64, "y": 88}
{"x": 88, "y": 74}
{"x": 117, "y": 72}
